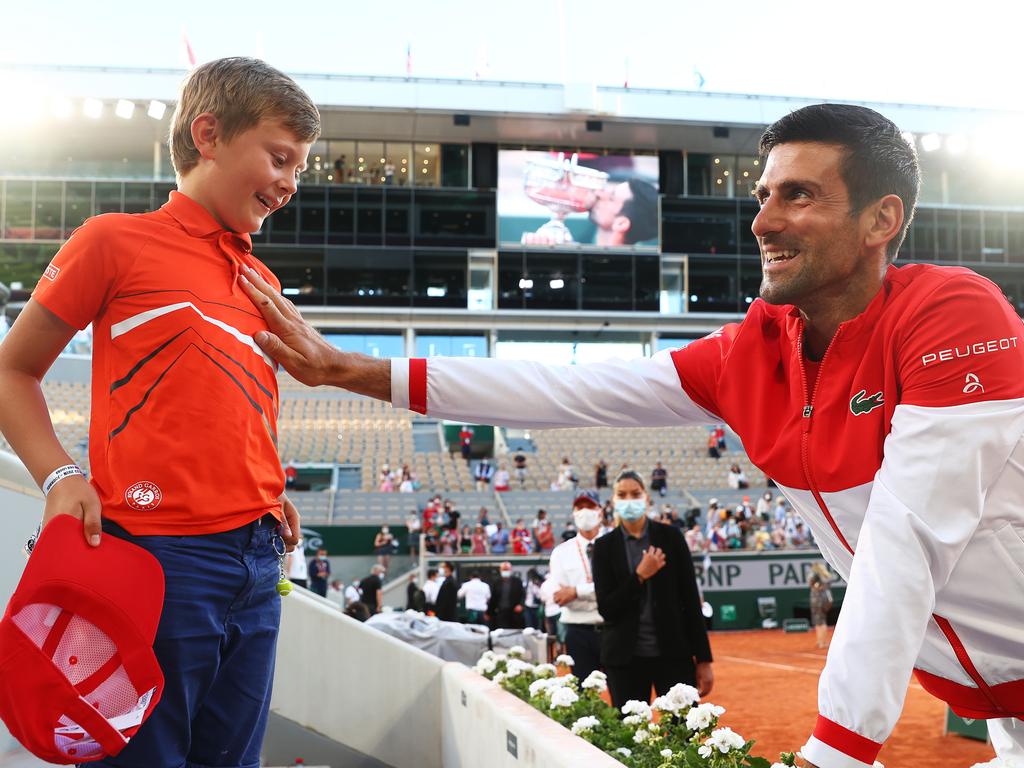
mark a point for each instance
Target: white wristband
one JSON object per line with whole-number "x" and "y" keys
{"x": 59, "y": 474}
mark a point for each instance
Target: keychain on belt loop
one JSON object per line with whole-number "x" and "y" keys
{"x": 284, "y": 586}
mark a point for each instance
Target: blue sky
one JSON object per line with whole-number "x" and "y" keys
{"x": 958, "y": 54}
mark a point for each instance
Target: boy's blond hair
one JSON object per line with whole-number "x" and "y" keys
{"x": 239, "y": 92}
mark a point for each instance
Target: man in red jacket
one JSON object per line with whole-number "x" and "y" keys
{"x": 888, "y": 405}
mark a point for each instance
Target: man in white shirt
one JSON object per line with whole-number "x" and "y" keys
{"x": 430, "y": 587}
{"x": 352, "y": 594}
{"x": 476, "y": 594}
{"x": 570, "y": 569}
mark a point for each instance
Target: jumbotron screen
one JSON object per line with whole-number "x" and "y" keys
{"x": 577, "y": 198}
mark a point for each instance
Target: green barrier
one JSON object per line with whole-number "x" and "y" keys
{"x": 971, "y": 729}
{"x": 727, "y": 613}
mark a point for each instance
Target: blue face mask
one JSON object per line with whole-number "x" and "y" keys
{"x": 630, "y": 509}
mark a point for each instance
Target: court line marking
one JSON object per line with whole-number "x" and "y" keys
{"x": 786, "y": 667}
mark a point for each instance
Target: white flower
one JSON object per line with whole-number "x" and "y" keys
{"x": 725, "y": 740}
{"x": 633, "y": 720}
{"x": 597, "y": 681}
{"x": 563, "y": 697}
{"x": 625, "y": 751}
{"x": 666, "y": 753}
{"x": 699, "y": 717}
{"x": 545, "y": 670}
{"x": 516, "y": 651}
{"x": 516, "y": 666}
{"x": 500, "y": 678}
{"x": 585, "y": 724}
{"x": 641, "y": 736}
{"x": 653, "y": 727}
{"x": 683, "y": 692}
{"x": 565, "y": 660}
{"x": 704, "y": 751}
{"x": 634, "y": 707}
{"x": 538, "y": 687}
{"x": 485, "y": 666}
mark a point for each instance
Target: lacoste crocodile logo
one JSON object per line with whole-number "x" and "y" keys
{"x": 861, "y": 404}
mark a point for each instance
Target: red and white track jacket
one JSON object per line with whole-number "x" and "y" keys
{"x": 907, "y": 461}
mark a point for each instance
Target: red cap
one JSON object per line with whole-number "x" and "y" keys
{"x": 77, "y": 670}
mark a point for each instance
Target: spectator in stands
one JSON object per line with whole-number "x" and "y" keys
{"x": 430, "y": 587}
{"x": 748, "y": 509}
{"x": 336, "y": 593}
{"x": 720, "y": 437}
{"x": 413, "y": 526}
{"x": 566, "y": 479}
{"x": 466, "y": 442}
{"x": 357, "y": 611}
{"x": 352, "y": 594}
{"x": 571, "y": 570}
{"x": 733, "y": 534}
{"x": 637, "y": 566}
{"x": 483, "y": 473}
{"x": 415, "y": 598}
{"x": 386, "y": 485}
{"x": 372, "y": 589}
{"x": 431, "y": 511}
{"x": 600, "y": 475}
{"x": 291, "y": 474}
{"x": 478, "y": 541}
{"x": 552, "y": 611}
{"x": 408, "y": 484}
{"x": 760, "y": 539}
{"x": 820, "y": 584}
{"x": 781, "y": 511}
{"x": 533, "y": 601}
{"x": 507, "y": 601}
{"x": 713, "y": 451}
{"x": 446, "y": 603}
{"x": 799, "y": 538}
{"x": 659, "y": 480}
{"x": 483, "y": 518}
{"x": 465, "y": 545}
{"x": 448, "y": 543}
{"x": 779, "y": 536}
{"x": 543, "y": 534}
{"x": 451, "y": 516}
{"x": 501, "y": 479}
{"x": 477, "y": 594}
{"x": 519, "y": 460}
{"x": 296, "y": 566}
{"x": 713, "y": 517}
{"x": 384, "y": 546}
{"x": 737, "y": 478}
{"x": 319, "y": 572}
{"x": 569, "y": 531}
{"x": 522, "y": 542}
{"x": 499, "y": 539}
{"x": 764, "y": 507}
{"x": 695, "y": 540}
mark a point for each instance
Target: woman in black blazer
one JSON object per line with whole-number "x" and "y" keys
{"x": 653, "y": 632}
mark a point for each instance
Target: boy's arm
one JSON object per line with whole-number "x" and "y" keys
{"x": 28, "y": 351}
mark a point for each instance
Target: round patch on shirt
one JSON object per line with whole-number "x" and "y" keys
{"x": 143, "y": 496}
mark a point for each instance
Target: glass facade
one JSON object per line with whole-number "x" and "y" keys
{"x": 400, "y": 246}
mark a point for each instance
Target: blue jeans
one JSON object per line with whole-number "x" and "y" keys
{"x": 216, "y": 645}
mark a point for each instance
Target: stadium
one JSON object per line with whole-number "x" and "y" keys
{"x": 433, "y": 220}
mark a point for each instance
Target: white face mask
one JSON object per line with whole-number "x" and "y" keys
{"x": 586, "y": 518}
{"x": 506, "y": 574}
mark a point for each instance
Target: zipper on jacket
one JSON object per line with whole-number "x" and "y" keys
{"x": 805, "y": 427}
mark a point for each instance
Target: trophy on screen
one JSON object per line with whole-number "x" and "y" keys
{"x": 562, "y": 186}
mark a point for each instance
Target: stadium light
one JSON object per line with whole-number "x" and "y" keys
{"x": 62, "y": 107}
{"x": 930, "y": 142}
{"x": 156, "y": 110}
{"x": 124, "y": 109}
{"x": 557, "y": 284}
{"x": 525, "y": 283}
{"x": 92, "y": 108}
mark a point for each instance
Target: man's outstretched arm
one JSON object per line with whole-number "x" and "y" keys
{"x": 305, "y": 354}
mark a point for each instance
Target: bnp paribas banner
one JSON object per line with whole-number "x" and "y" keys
{"x": 761, "y": 571}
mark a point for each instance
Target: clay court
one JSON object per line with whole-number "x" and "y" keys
{"x": 767, "y": 681}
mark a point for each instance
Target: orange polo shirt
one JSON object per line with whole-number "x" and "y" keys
{"x": 183, "y": 432}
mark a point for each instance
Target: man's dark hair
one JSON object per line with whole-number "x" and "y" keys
{"x": 878, "y": 162}
{"x": 358, "y": 611}
{"x": 642, "y": 211}
{"x": 431, "y": 573}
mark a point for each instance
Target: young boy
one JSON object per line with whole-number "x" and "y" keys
{"x": 184, "y": 406}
